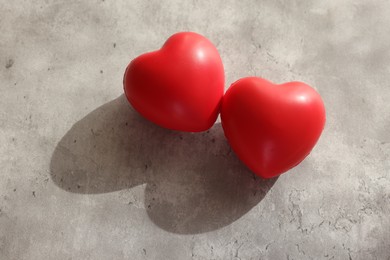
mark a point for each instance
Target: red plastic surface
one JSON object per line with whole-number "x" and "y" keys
{"x": 180, "y": 86}
{"x": 270, "y": 127}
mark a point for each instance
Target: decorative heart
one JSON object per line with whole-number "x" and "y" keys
{"x": 270, "y": 127}
{"x": 180, "y": 86}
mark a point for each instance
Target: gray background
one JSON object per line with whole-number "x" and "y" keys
{"x": 84, "y": 177}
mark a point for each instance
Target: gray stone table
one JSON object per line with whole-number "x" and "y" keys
{"x": 83, "y": 176}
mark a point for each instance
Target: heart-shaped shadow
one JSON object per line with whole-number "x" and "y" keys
{"x": 194, "y": 182}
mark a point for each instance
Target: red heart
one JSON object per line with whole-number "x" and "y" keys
{"x": 180, "y": 86}
{"x": 270, "y": 127}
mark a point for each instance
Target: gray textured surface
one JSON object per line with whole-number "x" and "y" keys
{"x": 84, "y": 177}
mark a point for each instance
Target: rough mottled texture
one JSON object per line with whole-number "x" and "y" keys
{"x": 84, "y": 177}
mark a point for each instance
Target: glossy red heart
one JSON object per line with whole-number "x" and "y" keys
{"x": 180, "y": 86}
{"x": 270, "y": 127}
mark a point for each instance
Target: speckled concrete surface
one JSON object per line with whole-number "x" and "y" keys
{"x": 84, "y": 177}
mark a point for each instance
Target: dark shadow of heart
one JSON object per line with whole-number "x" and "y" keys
{"x": 194, "y": 183}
